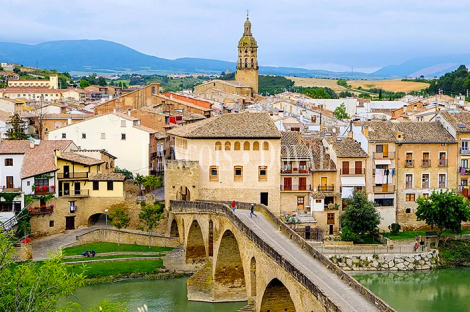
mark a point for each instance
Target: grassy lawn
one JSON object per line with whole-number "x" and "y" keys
{"x": 413, "y": 234}
{"x": 111, "y": 257}
{"x": 103, "y": 247}
{"x": 367, "y": 240}
{"x": 100, "y": 269}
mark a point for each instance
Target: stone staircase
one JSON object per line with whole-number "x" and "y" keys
{"x": 248, "y": 308}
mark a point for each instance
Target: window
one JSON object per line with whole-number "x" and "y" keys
{"x": 262, "y": 173}
{"x": 41, "y": 182}
{"x": 51, "y": 223}
{"x": 266, "y": 146}
{"x": 238, "y": 173}
{"x": 64, "y": 135}
{"x": 96, "y": 185}
{"x": 236, "y": 146}
{"x": 103, "y": 136}
{"x": 246, "y": 146}
{"x": 300, "y": 200}
{"x": 110, "y": 185}
{"x": 123, "y": 136}
{"x": 425, "y": 181}
{"x": 409, "y": 160}
{"x": 464, "y": 163}
{"x": 228, "y": 146}
{"x": 330, "y": 219}
{"x": 123, "y": 123}
{"x": 256, "y": 146}
{"x": 5, "y": 207}
{"x": 379, "y": 148}
{"x": 83, "y": 135}
{"x": 384, "y": 202}
{"x": 218, "y": 146}
{"x": 214, "y": 173}
{"x": 410, "y": 197}
{"x": 318, "y": 201}
{"x": 153, "y": 90}
{"x": 408, "y": 210}
{"x": 442, "y": 180}
{"x": 425, "y": 195}
{"x": 8, "y": 162}
{"x": 409, "y": 181}
{"x": 73, "y": 208}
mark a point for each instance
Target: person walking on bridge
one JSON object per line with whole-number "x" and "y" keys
{"x": 252, "y": 211}
{"x": 233, "y": 205}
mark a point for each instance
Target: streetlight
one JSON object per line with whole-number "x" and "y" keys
{"x": 106, "y": 214}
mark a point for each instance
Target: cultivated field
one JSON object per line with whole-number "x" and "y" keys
{"x": 394, "y": 85}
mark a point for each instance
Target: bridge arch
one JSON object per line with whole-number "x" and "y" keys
{"x": 174, "y": 230}
{"x": 195, "y": 247}
{"x": 229, "y": 276}
{"x": 277, "y": 298}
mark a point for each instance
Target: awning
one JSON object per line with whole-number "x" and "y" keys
{"x": 353, "y": 181}
{"x": 382, "y": 162}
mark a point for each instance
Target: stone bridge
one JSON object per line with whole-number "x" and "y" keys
{"x": 262, "y": 261}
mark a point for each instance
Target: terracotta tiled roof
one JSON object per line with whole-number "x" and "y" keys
{"x": 41, "y": 158}
{"x": 347, "y": 148}
{"x": 144, "y": 128}
{"x": 292, "y": 146}
{"x": 235, "y": 125}
{"x": 106, "y": 177}
{"x": 321, "y": 160}
{"x": 68, "y": 116}
{"x": 460, "y": 120}
{"x": 80, "y": 159}
{"x": 413, "y": 132}
{"x": 14, "y": 146}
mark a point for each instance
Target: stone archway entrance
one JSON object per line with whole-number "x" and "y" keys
{"x": 174, "y": 229}
{"x": 183, "y": 193}
{"x": 97, "y": 218}
{"x": 277, "y": 298}
{"x": 229, "y": 277}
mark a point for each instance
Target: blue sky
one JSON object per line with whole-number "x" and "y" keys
{"x": 316, "y": 34}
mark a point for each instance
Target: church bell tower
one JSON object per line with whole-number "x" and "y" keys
{"x": 247, "y": 65}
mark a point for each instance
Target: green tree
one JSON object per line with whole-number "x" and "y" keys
{"x": 342, "y": 82}
{"x": 361, "y": 217}
{"x": 62, "y": 82}
{"x": 101, "y": 82}
{"x": 17, "y": 70}
{"x": 120, "y": 219}
{"x": 84, "y": 83}
{"x": 128, "y": 174}
{"x": 18, "y": 128}
{"x": 380, "y": 94}
{"x": 317, "y": 93}
{"x": 152, "y": 182}
{"x": 445, "y": 210}
{"x": 30, "y": 286}
{"x": 340, "y": 112}
{"x": 150, "y": 215}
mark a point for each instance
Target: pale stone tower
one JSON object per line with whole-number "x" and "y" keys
{"x": 247, "y": 65}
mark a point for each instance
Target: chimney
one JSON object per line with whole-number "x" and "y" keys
{"x": 31, "y": 144}
{"x": 114, "y": 110}
{"x": 129, "y": 112}
{"x": 366, "y": 131}
{"x": 69, "y": 121}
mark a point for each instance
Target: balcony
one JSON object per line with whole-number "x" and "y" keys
{"x": 464, "y": 170}
{"x": 38, "y": 211}
{"x": 409, "y": 163}
{"x": 384, "y": 188}
{"x": 298, "y": 188}
{"x": 464, "y": 151}
{"x": 325, "y": 188}
{"x": 295, "y": 171}
{"x": 351, "y": 171}
{"x": 426, "y": 163}
{"x": 44, "y": 190}
{"x": 10, "y": 189}
{"x": 442, "y": 162}
{"x": 72, "y": 175}
{"x": 75, "y": 193}
{"x": 464, "y": 190}
{"x": 389, "y": 155}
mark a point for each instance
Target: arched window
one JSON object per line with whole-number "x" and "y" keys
{"x": 218, "y": 146}
{"x": 256, "y": 146}
{"x": 228, "y": 146}
{"x": 153, "y": 90}
{"x": 266, "y": 146}
{"x": 246, "y": 62}
{"x": 252, "y": 62}
{"x": 246, "y": 146}
{"x": 236, "y": 147}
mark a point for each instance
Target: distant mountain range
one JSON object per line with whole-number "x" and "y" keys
{"x": 87, "y": 56}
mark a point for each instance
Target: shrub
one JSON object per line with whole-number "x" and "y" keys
{"x": 347, "y": 235}
{"x": 394, "y": 228}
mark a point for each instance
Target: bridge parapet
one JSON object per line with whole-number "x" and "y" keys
{"x": 223, "y": 209}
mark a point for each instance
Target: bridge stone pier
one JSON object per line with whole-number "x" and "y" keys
{"x": 234, "y": 262}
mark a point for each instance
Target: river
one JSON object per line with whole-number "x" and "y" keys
{"x": 426, "y": 291}
{"x": 159, "y": 295}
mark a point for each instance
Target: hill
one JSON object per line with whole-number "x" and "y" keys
{"x": 426, "y": 66}
{"x": 109, "y": 57}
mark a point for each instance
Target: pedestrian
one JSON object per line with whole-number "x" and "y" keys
{"x": 252, "y": 211}
{"x": 415, "y": 247}
{"x": 422, "y": 245}
{"x": 233, "y": 205}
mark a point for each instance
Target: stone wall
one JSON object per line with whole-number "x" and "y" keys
{"x": 24, "y": 252}
{"x": 387, "y": 262}
{"x": 125, "y": 237}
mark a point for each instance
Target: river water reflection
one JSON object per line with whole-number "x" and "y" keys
{"x": 158, "y": 295}
{"x": 426, "y": 291}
